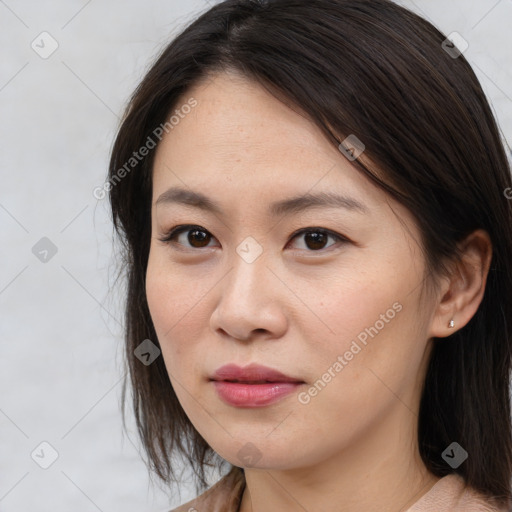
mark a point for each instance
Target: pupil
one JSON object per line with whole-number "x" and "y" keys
{"x": 193, "y": 237}
{"x": 316, "y": 239}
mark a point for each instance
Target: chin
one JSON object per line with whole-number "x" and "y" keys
{"x": 258, "y": 454}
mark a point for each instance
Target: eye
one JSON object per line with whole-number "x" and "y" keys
{"x": 198, "y": 237}
{"x": 316, "y": 238}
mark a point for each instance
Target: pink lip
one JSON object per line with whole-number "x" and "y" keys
{"x": 252, "y": 386}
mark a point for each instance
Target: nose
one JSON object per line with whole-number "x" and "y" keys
{"x": 251, "y": 301}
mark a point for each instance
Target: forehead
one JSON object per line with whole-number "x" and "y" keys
{"x": 236, "y": 118}
{"x": 239, "y": 141}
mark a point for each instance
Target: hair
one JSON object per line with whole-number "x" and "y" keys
{"x": 376, "y": 70}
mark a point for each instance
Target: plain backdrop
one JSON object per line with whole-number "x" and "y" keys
{"x": 60, "y": 327}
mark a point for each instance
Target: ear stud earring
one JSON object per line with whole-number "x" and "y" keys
{"x": 452, "y": 323}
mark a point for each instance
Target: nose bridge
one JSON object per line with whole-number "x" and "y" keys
{"x": 249, "y": 268}
{"x": 247, "y": 301}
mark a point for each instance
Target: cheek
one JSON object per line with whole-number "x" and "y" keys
{"x": 170, "y": 294}
{"x": 347, "y": 304}
{"x": 176, "y": 305}
{"x": 370, "y": 329}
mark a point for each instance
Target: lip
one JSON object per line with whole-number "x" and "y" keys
{"x": 253, "y": 385}
{"x": 252, "y": 372}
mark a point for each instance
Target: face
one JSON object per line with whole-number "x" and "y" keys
{"x": 328, "y": 295}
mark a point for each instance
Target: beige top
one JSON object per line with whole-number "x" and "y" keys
{"x": 447, "y": 495}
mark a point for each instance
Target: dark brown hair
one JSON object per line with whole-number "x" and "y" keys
{"x": 376, "y": 70}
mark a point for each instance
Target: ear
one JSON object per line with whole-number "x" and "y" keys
{"x": 461, "y": 293}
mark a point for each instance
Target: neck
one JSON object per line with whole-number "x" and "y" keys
{"x": 380, "y": 471}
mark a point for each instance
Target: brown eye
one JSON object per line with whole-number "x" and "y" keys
{"x": 315, "y": 239}
{"x": 197, "y": 237}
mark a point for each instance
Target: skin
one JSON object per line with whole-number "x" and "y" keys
{"x": 298, "y": 306}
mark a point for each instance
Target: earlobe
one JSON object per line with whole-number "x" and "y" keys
{"x": 463, "y": 292}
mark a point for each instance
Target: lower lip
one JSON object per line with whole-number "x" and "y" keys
{"x": 253, "y": 395}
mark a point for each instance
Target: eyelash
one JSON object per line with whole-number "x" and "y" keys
{"x": 177, "y": 230}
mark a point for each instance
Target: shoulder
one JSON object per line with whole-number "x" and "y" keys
{"x": 224, "y": 496}
{"x": 450, "y": 494}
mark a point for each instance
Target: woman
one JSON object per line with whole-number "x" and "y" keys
{"x": 311, "y": 196}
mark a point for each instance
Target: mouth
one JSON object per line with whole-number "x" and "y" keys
{"x": 252, "y": 386}
{"x": 252, "y": 381}
{"x": 251, "y": 374}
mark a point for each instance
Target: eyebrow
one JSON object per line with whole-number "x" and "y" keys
{"x": 286, "y": 206}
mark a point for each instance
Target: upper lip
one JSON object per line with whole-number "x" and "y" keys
{"x": 251, "y": 373}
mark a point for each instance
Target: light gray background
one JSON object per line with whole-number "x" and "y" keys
{"x": 60, "y": 329}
